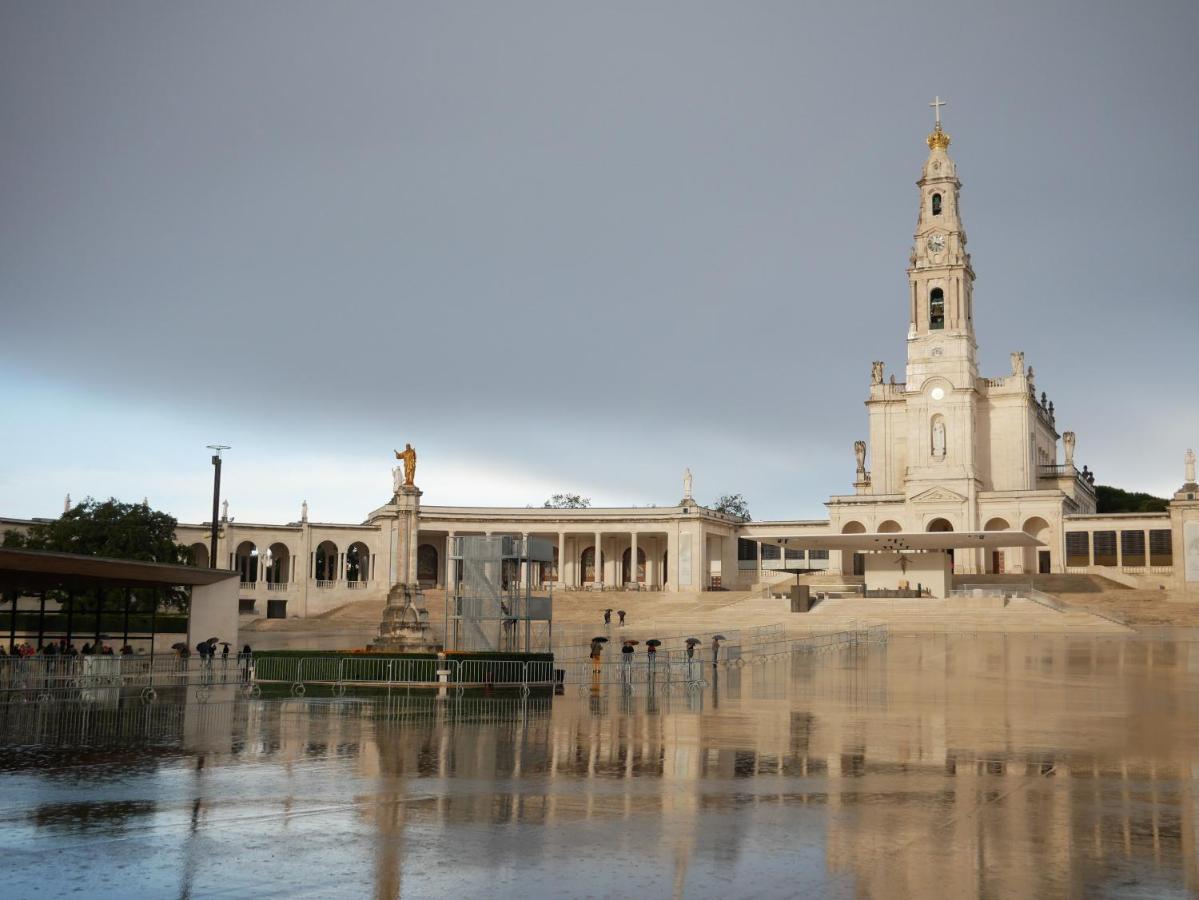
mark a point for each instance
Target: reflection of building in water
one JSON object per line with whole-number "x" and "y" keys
{"x": 941, "y": 766}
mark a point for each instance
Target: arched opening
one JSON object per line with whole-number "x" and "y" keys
{"x": 936, "y": 204}
{"x": 549, "y": 570}
{"x": 587, "y": 565}
{"x": 325, "y": 562}
{"x": 426, "y": 564}
{"x": 889, "y": 527}
{"x": 358, "y": 563}
{"x": 1038, "y": 559}
{"x": 996, "y": 559}
{"x": 942, "y": 524}
{"x": 625, "y": 574}
{"x": 246, "y": 561}
{"x": 857, "y": 563}
{"x": 936, "y": 309}
{"x": 198, "y": 554}
{"x": 277, "y": 564}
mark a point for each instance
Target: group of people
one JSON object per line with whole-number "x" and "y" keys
{"x": 608, "y": 616}
{"x": 63, "y": 647}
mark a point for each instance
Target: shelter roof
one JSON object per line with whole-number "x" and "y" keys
{"x": 41, "y": 569}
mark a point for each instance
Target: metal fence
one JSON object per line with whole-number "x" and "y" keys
{"x": 92, "y": 679}
{"x": 96, "y": 678}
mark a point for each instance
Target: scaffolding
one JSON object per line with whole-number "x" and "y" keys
{"x": 490, "y": 605}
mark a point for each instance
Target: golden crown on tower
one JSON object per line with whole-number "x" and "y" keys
{"x": 938, "y": 139}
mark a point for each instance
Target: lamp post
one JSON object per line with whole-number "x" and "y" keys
{"x": 216, "y": 499}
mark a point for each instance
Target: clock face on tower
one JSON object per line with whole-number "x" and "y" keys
{"x": 936, "y": 242}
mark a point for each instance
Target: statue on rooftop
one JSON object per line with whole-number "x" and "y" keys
{"x": 876, "y": 372}
{"x": 1189, "y": 461}
{"x": 1068, "y": 446}
{"x": 408, "y": 455}
{"x": 687, "y": 484}
{"x": 1018, "y": 362}
{"x": 859, "y": 452}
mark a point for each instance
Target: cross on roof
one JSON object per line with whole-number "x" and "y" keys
{"x": 936, "y": 105}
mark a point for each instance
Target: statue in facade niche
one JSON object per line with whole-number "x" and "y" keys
{"x": 859, "y": 453}
{"x": 1018, "y": 362}
{"x": 1068, "y": 446}
{"x": 408, "y": 455}
{"x": 939, "y": 439}
{"x": 876, "y": 372}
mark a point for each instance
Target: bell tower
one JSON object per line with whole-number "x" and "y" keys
{"x": 940, "y": 277}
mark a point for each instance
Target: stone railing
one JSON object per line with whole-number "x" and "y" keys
{"x": 277, "y": 585}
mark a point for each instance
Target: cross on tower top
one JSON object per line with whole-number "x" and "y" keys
{"x": 936, "y": 105}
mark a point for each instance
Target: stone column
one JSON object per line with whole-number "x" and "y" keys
{"x": 562, "y": 558}
{"x": 758, "y": 544}
{"x": 599, "y": 561}
{"x": 449, "y": 563}
{"x": 633, "y": 557}
{"x": 524, "y": 563}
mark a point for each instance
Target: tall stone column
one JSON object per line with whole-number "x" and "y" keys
{"x": 450, "y": 566}
{"x": 561, "y": 579}
{"x": 599, "y": 561}
{"x": 633, "y": 557}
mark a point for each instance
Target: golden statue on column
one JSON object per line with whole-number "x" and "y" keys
{"x": 408, "y": 455}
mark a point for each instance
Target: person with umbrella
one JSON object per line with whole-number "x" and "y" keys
{"x": 692, "y": 643}
{"x": 224, "y": 654}
{"x": 608, "y": 616}
{"x": 620, "y": 613}
{"x": 626, "y": 656}
{"x": 597, "y": 648}
{"x": 716, "y": 647}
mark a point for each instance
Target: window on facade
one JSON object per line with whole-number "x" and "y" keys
{"x": 772, "y": 551}
{"x": 792, "y": 554}
{"x": 746, "y": 550}
{"x": 1161, "y": 547}
{"x": 1078, "y": 548}
{"x": 1132, "y": 546}
{"x": 936, "y": 204}
{"x": 1105, "y": 548}
{"x": 936, "y": 309}
{"x": 817, "y": 554}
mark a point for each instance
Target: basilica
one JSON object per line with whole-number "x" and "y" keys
{"x": 971, "y": 464}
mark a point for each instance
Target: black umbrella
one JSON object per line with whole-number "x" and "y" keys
{"x": 653, "y": 642}
{"x": 632, "y": 643}
{"x": 212, "y": 641}
{"x": 609, "y": 609}
{"x": 225, "y": 644}
{"x": 719, "y": 637}
{"x": 691, "y": 642}
{"x": 179, "y": 646}
{"x": 620, "y": 612}
{"x": 602, "y": 640}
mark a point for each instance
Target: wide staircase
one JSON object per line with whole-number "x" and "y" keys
{"x": 961, "y": 614}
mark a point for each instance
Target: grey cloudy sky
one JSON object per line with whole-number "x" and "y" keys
{"x": 566, "y": 245}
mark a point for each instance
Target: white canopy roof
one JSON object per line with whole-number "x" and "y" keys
{"x": 908, "y": 541}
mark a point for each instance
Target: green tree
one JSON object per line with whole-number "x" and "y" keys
{"x": 567, "y": 501}
{"x": 1114, "y": 500}
{"x": 111, "y": 529}
{"x": 733, "y": 505}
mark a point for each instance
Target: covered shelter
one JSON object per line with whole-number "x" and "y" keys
{"x": 213, "y": 607}
{"x": 900, "y": 560}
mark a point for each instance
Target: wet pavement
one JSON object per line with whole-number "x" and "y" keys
{"x": 934, "y": 766}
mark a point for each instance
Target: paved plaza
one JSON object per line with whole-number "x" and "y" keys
{"x": 934, "y": 765}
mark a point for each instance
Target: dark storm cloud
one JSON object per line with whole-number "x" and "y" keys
{"x": 557, "y": 233}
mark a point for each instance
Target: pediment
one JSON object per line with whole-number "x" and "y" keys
{"x": 938, "y": 495}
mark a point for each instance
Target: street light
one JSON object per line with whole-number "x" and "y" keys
{"x": 216, "y": 499}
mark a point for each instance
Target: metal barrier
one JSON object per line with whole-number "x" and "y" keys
{"x": 92, "y": 679}
{"x": 103, "y": 678}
